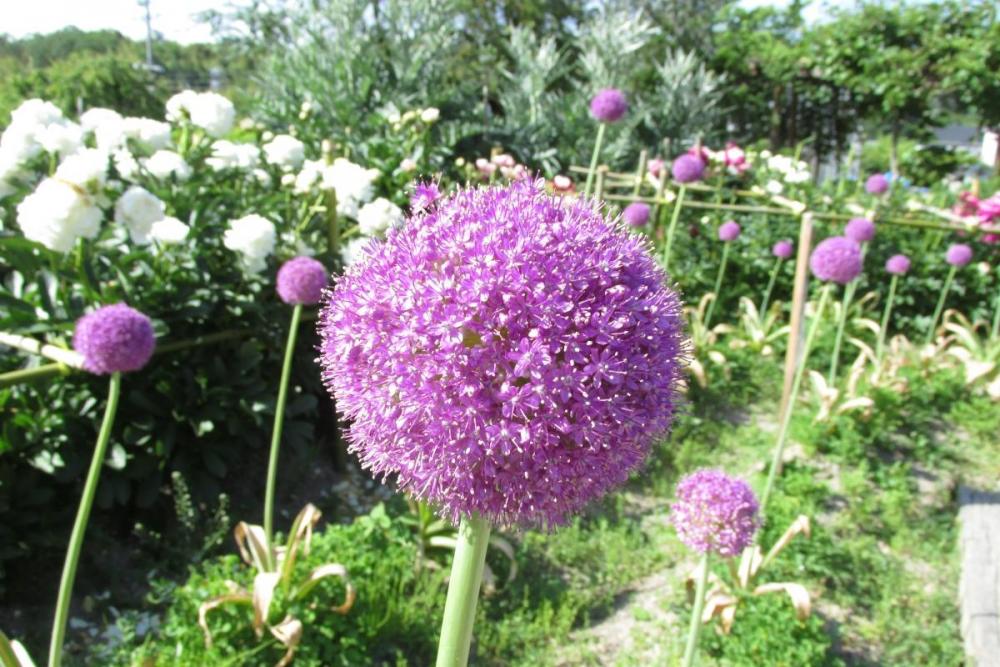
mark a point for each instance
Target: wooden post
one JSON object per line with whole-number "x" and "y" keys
{"x": 800, "y": 294}
{"x": 599, "y": 183}
{"x": 640, "y": 173}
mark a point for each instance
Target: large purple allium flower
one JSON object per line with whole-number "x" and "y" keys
{"x": 715, "y": 512}
{"x": 301, "y": 281}
{"x": 729, "y": 231}
{"x": 114, "y": 339}
{"x": 958, "y": 255}
{"x": 836, "y": 259}
{"x": 860, "y": 230}
{"x": 897, "y": 264}
{"x": 514, "y": 354}
{"x": 424, "y": 196}
{"x": 608, "y": 105}
{"x": 783, "y": 249}
{"x": 688, "y": 168}
{"x": 877, "y": 184}
{"x": 636, "y": 214}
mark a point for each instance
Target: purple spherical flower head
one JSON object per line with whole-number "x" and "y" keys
{"x": 715, "y": 512}
{"x": 608, "y": 105}
{"x": 636, "y": 214}
{"x": 114, "y": 339}
{"x": 959, "y": 254}
{"x": 301, "y": 281}
{"x": 688, "y": 168}
{"x": 424, "y": 196}
{"x": 729, "y": 231}
{"x": 783, "y": 249}
{"x": 836, "y": 259}
{"x": 876, "y": 184}
{"x": 860, "y": 230}
{"x": 515, "y": 354}
{"x": 897, "y": 264}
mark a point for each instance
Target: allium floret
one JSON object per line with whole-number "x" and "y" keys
{"x": 608, "y": 105}
{"x": 958, "y": 255}
{"x": 860, "y": 230}
{"x": 688, "y": 168}
{"x": 837, "y": 259}
{"x": 897, "y": 264}
{"x": 114, "y": 339}
{"x": 729, "y": 231}
{"x": 783, "y": 249}
{"x": 512, "y": 354}
{"x": 715, "y": 513}
{"x": 876, "y": 184}
{"x": 301, "y": 281}
{"x": 636, "y": 214}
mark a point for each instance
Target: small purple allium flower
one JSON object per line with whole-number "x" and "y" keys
{"x": 608, "y": 105}
{"x": 876, "y": 184}
{"x": 897, "y": 264}
{"x": 515, "y": 354}
{"x": 860, "y": 230}
{"x": 836, "y": 259}
{"x": 715, "y": 512}
{"x": 301, "y": 281}
{"x": 114, "y": 339}
{"x": 636, "y": 214}
{"x": 688, "y": 168}
{"x": 729, "y": 231}
{"x": 424, "y": 196}
{"x": 783, "y": 249}
{"x": 959, "y": 254}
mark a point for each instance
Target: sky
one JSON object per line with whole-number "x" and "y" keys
{"x": 175, "y": 19}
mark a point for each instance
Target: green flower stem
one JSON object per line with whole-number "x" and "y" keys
{"x": 463, "y": 592}
{"x": 279, "y": 421}
{"x": 880, "y": 345}
{"x": 838, "y": 339}
{"x": 23, "y": 375}
{"x": 80, "y": 525}
{"x": 718, "y": 283}
{"x": 594, "y": 158}
{"x": 333, "y": 226}
{"x": 673, "y": 226}
{"x": 996, "y": 317}
{"x": 640, "y": 173}
{"x": 940, "y": 304}
{"x": 770, "y": 287}
{"x": 786, "y": 418}
{"x": 691, "y": 647}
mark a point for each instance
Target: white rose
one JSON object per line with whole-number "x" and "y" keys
{"x": 253, "y": 237}
{"x": 774, "y": 187}
{"x": 107, "y": 126}
{"x": 229, "y": 155}
{"x": 168, "y": 231}
{"x": 87, "y": 169}
{"x": 430, "y": 114}
{"x": 285, "y": 151}
{"x": 378, "y": 216}
{"x": 56, "y": 214}
{"x": 125, "y": 163}
{"x": 353, "y": 184}
{"x": 138, "y": 209}
{"x": 210, "y": 111}
{"x": 151, "y": 134}
{"x": 36, "y": 112}
{"x": 64, "y": 138}
{"x": 164, "y": 164}
{"x": 353, "y": 250}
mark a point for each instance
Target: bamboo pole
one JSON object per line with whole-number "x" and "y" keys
{"x": 800, "y": 293}
{"x": 640, "y": 173}
{"x": 32, "y": 346}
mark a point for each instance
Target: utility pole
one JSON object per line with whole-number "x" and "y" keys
{"x": 149, "y": 34}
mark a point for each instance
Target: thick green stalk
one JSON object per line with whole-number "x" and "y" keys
{"x": 463, "y": 592}
{"x": 691, "y": 647}
{"x": 332, "y": 226}
{"x": 770, "y": 288}
{"x": 673, "y": 226}
{"x": 786, "y": 418}
{"x": 996, "y": 317}
{"x": 279, "y": 421}
{"x": 718, "y": 283}
{"x": 880, "y": 346}
{"x": 594, "y": 158}
{"x": 80, "y": 525}
{"x": 940, "y": 304}
{"x": 845, "y": 305}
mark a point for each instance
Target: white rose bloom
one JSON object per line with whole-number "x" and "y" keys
{"x": 378, "y": 216}
{"x": 168, "y": 231}
{"x": 125, "y": 163}
{"x": 210, "y": 111}
{"x": 64, "y": 138}
{"x": 407, "y": 165}
{"x": 352, "y": 251}
{"x": 151, "y": 134}
{"x": 253, "y": 237}
{"x": 91, "y": 119}
{"x": 261, "y": 176}
{"x": 164, "y": 164}
{"x": 311, "y": 172}
{"x": 36, "y": 112}
{"x": 10, "y": 171}
{"x": 285, "y": 151}
{"x": 56, "y": 214}
{"x": 288, "y": 180}
{"x": 229, "y": 155}
{"x": 430, "y": 114}
{"x": 19, "y": 142}
{"x": 87, "y": 169}
{"x": 774, "y": 187}
{"x": 138, "y": 209}
{"x": 797, "y": 176}
{"x": 352, "y": 183}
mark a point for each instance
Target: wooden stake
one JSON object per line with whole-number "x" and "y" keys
{"x": 800, "y": 294}
{"x": 640, "y": 173}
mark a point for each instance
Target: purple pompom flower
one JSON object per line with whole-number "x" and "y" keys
{"x": 715, "y": 513}
{"x": 783, "y": 249}
{"x": 897, "y": 264}
{"x": 688, "y": 168}
{"x": 114, "y": 339}
{"x": 514, "y": 355}
{"x": 836, "y": 259}
{"x": 608, "y": 105}
{"x": 301, "y": 281}
{"x": 958, "y": 255}
{"x": 860, "y": 230}
{"x": 424, "y": 196}
{"x": 636, "y": 214}
{"x": 729, "y": 231}
{"x": 877, "y": 184}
